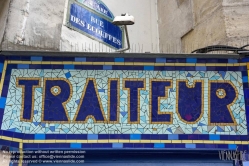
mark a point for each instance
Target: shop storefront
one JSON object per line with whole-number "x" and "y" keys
{"x": 115, "y": 109}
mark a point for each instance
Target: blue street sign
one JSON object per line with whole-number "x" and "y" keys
{"x": 95, "y": 26}
{"x": 98, "y": 6}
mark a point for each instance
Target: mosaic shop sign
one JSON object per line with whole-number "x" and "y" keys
{"x": 108, "y": 102}
{"x": 117, "y": 101}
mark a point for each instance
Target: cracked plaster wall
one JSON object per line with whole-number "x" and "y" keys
{"x": 34, "y": 25}
{"x": 4, "y": 8}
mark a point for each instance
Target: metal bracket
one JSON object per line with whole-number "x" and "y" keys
{"x": 127, "y": 41}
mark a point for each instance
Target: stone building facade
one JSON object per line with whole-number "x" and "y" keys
{"x": 192, "y": 24}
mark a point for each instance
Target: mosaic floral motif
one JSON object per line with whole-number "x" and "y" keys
{"x": 182, "y": 98}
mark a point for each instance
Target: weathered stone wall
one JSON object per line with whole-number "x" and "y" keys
{"x": 34, "y": 25}
{"x": 4, "y": 8}
{"x": 236, "y": 14}
{"x": 191, "y": 24}
{"x": 175, "y": 19}
{"x": 209, "y": 25}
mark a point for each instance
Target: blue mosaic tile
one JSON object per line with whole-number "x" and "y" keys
{"x": 191, "y": 60}
{"x": 232, "y": 60}
{"x": 92, "y": 136}
{"x": 138, "y": 146}
{"x": 128, "y": 145}
{"x": 4, "y": 142}
{"x": 44, "y": 146}
{"x": 148, "y": 145}
{"x": 200, "y": 146}
{"x": 107, "y": 67}
{"x": 36, "y": 58}
{"x": 22, "y": 66}
{"x": 181, "y": 146}
{"x": 79, "y": 59}
{"x": 158, "y": 145}
{"x": 103, "y": 136}
{"x": 119, "y": 60}
{"x": 68, "y": 66}
{"x": 214, "y": 137}
{"x": 160, "y": 60}
{"x": 245, "y": 59}
{"x": 190, "y": 68}
{"x": 190, "y": 146}
{"x": 222, "y": 146}
{"x": 202, "y": 60}
{"x": 1, "y": 67}
{"x": 173, "y": 137}
{"x": 163, "y": 137}
{"x": 232, "y": 146}
{"x": 39, "y": 136}
{"x": 2, "y": 102}
{"x": 245, "y": 79}
{"x": 107, "y": 145}
{"x": 155, "y": 137}
{"x": 211, "y": 61}
{"x": 31, "y": 146}
{"x": 171, "y": 60}
{"x": 201, "y": 68}
{"x": 117, "y": 145}
{"x": 148, "y": 67}
{"x": 75, "y": 145}
{"x": 135, "y": 136}
{"x": 210, "y": 146}
{"x": 86, "y": 146}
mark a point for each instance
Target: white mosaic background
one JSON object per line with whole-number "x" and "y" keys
{"x": 11, "y": 118}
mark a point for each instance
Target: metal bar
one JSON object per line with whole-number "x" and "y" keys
{"x": 115, "y": 54}
{"x": 127, "y": 41}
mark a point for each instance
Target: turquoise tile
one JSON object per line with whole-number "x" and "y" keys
{"x": 232, "y": 146}
{"x": 159, "y": 145}
{"x": 2, "y": 102}
{"x": 245, "y": 78}
{"x": 75, "y": 145}
{"x": 39, "y": 136}
{"x": 135, "y": 136}
{"x": 214, "y": 137}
